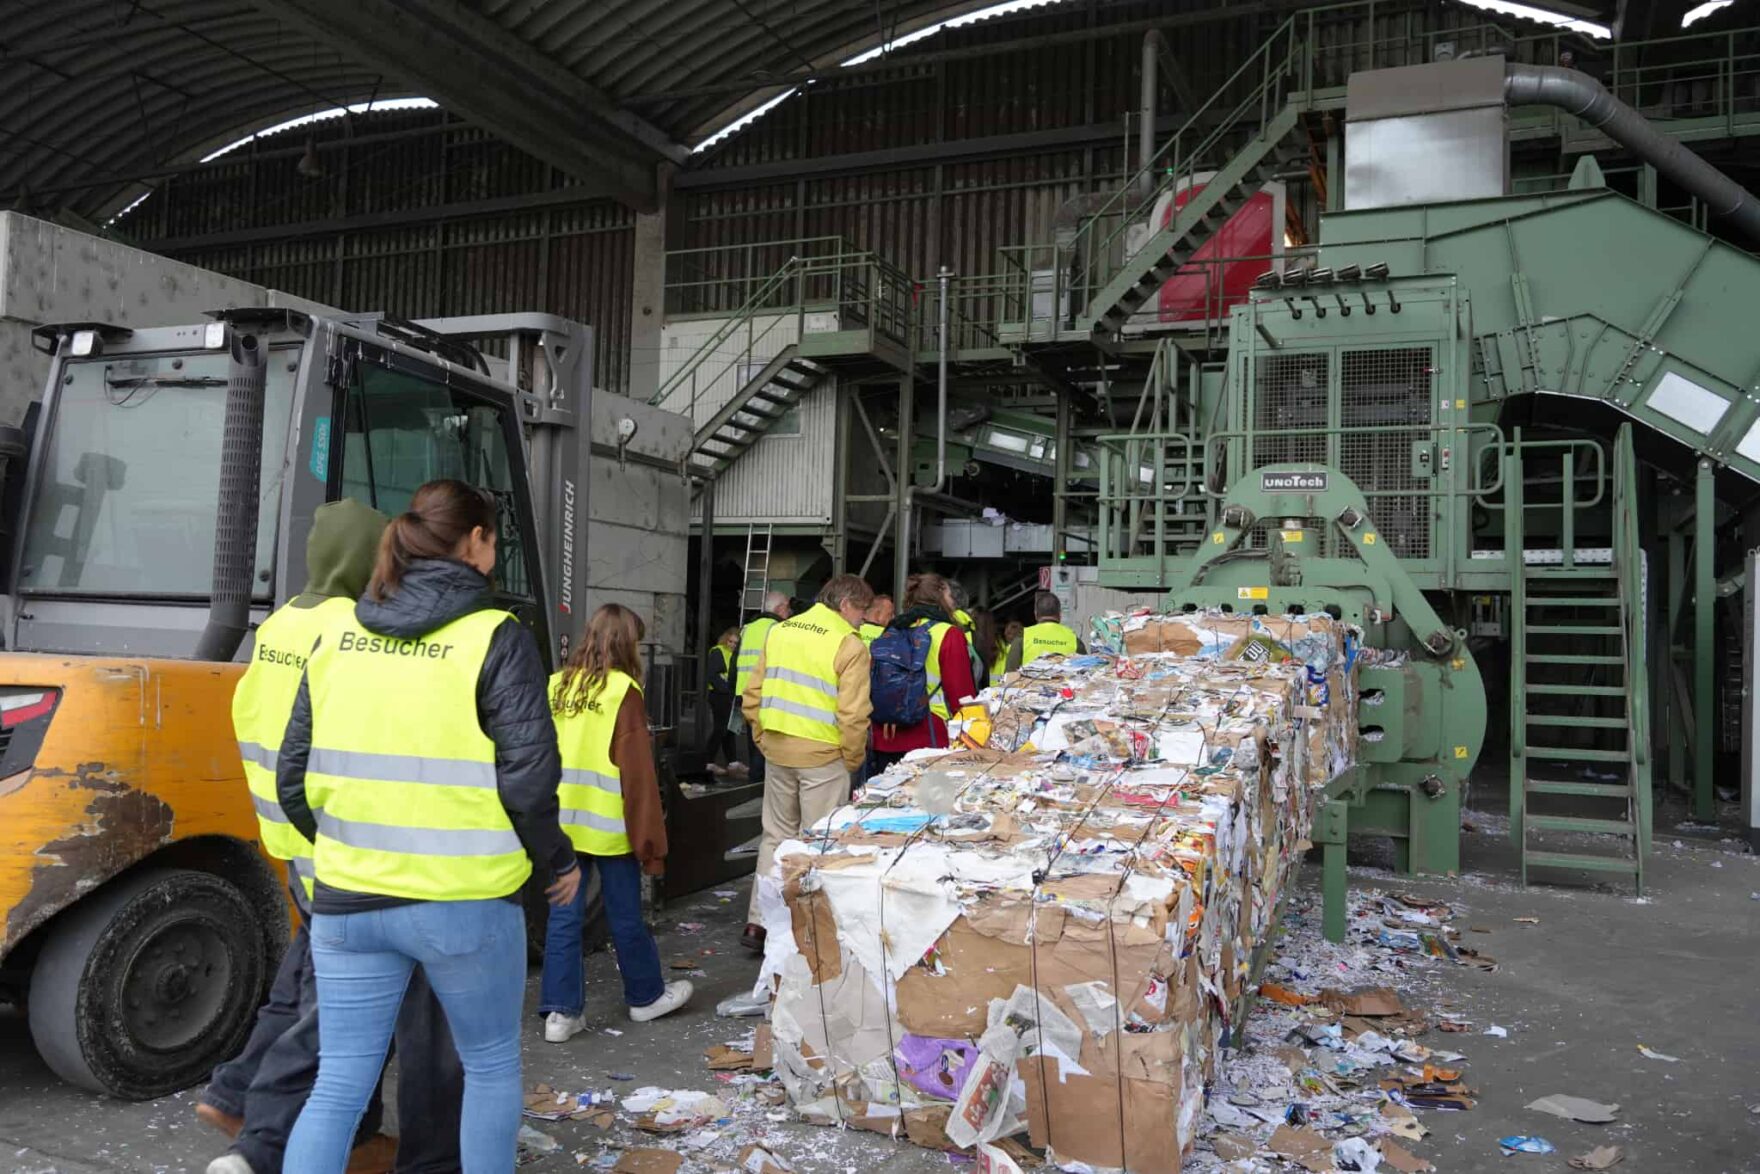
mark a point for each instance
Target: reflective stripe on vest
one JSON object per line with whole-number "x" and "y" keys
{"x": 932, "y": 667}
{"x": 261, "y": 705}
{"x": 1045, "y": 638}
{"x": 401, "y": 774}
{"x": 798, "y": 696}
{"x": 591, "y": 793}
{"x": 751, "y": 646}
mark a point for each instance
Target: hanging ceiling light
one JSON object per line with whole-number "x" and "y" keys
{"x": 309, "y": 164}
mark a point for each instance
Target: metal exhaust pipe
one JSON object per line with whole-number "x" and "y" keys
{"x": 235, "y": 523}
{"x": 1581, "y": 95}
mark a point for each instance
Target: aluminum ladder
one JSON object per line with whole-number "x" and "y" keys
{"x": 756, "y": 583}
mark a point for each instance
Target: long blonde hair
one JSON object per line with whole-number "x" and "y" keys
{"x": 611, "y": 644}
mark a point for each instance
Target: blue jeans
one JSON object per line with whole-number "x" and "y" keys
{"x": 638, "y": 958}
{"x": 473, "y": 953}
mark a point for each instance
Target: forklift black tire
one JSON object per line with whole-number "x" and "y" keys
{"x": 595, "y": 930}
{"x": 146, "y": 985}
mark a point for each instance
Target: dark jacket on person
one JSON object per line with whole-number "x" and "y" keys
{"x": 513, "y": 708}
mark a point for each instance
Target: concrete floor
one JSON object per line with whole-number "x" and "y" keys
{"x": 1600, "y": 974}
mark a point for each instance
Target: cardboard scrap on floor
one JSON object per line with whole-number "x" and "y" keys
{"x": 1602, "y": 1157}
{"x": 647, "y": 1160}
{"x": 1047, "y": 932}
{"x": 1576, "y": 1109}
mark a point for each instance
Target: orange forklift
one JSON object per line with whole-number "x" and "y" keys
{"x": 156, "y": 505}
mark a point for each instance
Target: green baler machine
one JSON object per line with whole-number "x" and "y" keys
{"x": 1432, "y": 432}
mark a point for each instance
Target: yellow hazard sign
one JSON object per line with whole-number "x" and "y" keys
{"x": 1253, "y": 593}
{"x": 1369, "y": 538}
{"x": 1460, "y": 751}
{"x": 1217, "y": 538}
{"x": 1295, "y": 535}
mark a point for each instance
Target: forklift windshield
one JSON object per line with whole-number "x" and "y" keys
{"x": 131, "y": 475}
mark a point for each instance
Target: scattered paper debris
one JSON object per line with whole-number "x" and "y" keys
{"x": 1524, "y": 1145}
{"x": 1353, "y": 1153}
{"x": 1496, "y": 1032}
{"x": 1527, "y": 921}
{"x": 1576, "y": 1109}
{"x": 1652, "y": 1054}
{"x": 537, "y": 1142}
{"x": 1602, "y": 1157}
{"x": 1232, "y": 1147}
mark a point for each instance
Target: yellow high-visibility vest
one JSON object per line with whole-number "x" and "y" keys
{"x": 751, "y": 646}
{"x": 999, "y": 666}
{"x": 261, "y": 704}
{"x": 401, "y": 775}
{"x": 799, "y": 692}
{"x": 932, "y": 668}
{"x": 870, "y": 633}
{"x": 591, "y": 794}
{"x": 1045, "y": 638}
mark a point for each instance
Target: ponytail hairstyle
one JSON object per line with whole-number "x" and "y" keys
{"x": 611, "y": 644}
{"x": 441, "y": 515}
{"x": 927, "y": 591}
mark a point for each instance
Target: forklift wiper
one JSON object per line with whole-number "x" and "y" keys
{"x": 164, "y": 381}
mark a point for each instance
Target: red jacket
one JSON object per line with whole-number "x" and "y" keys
{"x": 956, "y": 680}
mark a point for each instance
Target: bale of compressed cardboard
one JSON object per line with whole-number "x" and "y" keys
{"x": 1049, "y": 934}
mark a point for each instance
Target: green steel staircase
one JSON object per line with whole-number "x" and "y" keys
{"x": 1142, "y": 274}
{"x": 1578, "y": 704}
{"x": 766, "y": 397}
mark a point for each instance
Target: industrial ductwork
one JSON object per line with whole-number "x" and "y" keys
{"x": 1581, "y": 95}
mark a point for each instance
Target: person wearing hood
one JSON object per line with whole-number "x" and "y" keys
{"x": 421, "y": 761}
{"x": 256, "y": 1097}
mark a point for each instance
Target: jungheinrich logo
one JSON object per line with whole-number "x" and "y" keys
{"x": 1293, "y": 482}
{"x": 567, "y": 599}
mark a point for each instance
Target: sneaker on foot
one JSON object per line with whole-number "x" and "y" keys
{"x": 716, "y": 769}
{"x": 225, "y": 1122}
{"x": 560, "y": 1028}
{"x": 230, "y": 1164}
{"x": 677, "y": 995}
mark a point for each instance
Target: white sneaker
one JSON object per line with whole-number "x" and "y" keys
{"x": 230, "y": 1164}
{"x": 677, "y": 995}
{"x": 560, "y": 1028}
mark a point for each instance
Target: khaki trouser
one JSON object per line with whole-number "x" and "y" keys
{"x": 795, "y": 797}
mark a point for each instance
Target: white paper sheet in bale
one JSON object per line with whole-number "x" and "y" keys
{"x": 889, "y": 913}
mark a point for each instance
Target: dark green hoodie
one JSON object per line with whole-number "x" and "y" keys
{"x": 340, "y": 551}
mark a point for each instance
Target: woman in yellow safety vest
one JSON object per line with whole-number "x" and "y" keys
{"x": 421, "y": 763}
{"x": 1010, "y": 633}
{"x": 611, "y": 811}
{"x": 718, "y": 680}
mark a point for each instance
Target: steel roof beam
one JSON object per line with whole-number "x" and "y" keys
{"x": 480, "y": 71}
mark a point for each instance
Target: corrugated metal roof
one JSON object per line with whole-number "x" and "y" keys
{"x": 102, "y": 92}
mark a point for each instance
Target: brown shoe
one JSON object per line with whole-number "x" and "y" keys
{"x": 376, "y": 1155}
{"x": 753, "y": 938}
{"x": 213, "y": 1118}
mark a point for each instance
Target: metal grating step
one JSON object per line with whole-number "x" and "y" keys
{"x": 1593, "y": 790}
{"x": 1575, "y": 823}
{"x": 1624, "y": 864}
{"x": 1570, "y": 754}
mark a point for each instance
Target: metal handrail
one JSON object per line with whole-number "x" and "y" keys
{"x": 741, "y": 317}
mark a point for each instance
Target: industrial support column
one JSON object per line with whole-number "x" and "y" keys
{"x": 1060, "y": 483}
{"x": 647, "y": 304}
{"x": 1704, "y": 630}
{"x": 705, "y": 585}
{"x": 907, "y": 475}
{"x": 1677, "y": 721}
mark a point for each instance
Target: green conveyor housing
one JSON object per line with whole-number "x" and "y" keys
{"x": 1589, "y": 294}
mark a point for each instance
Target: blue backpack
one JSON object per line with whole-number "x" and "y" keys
{"x": 899, "y": 687}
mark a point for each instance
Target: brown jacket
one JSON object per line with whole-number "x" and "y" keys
{"x": 852, "y": 665}
{"x": 632, "y": 752}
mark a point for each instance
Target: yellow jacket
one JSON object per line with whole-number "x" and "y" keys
{"x": 852, "y": 665}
